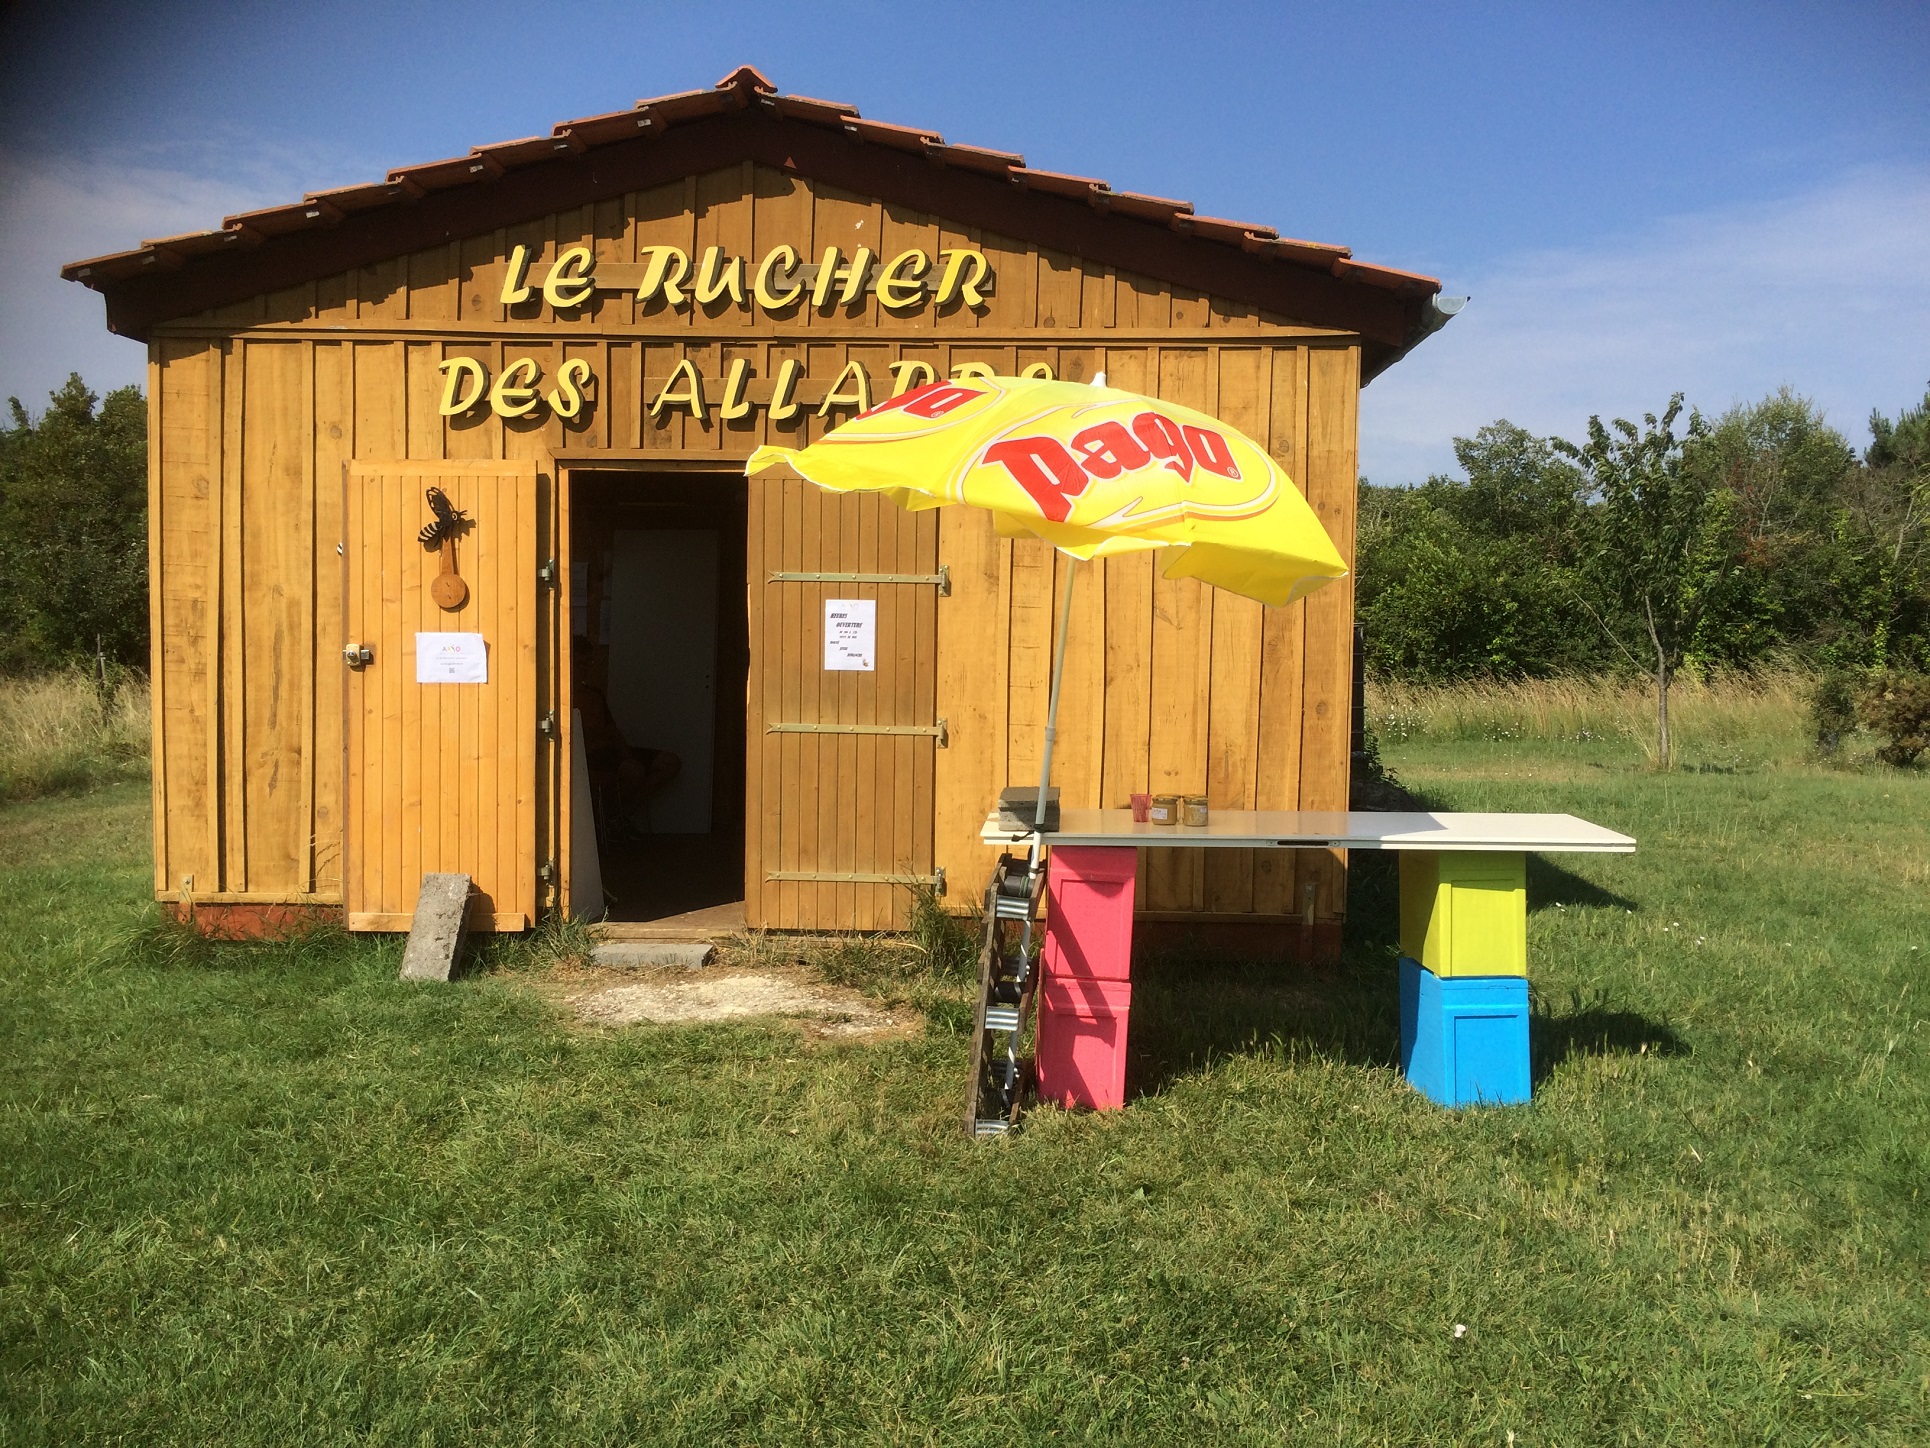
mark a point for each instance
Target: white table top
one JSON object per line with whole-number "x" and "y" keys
{"x": 1335, "y": 829}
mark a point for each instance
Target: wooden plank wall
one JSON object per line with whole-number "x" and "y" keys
{"x": 1170, "y": 685}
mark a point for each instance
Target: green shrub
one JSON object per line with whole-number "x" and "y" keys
{"x": 1832, "y": 710}
{"x": 1897, "y": 706}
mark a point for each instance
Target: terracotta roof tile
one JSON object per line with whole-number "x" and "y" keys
{"x": 905, "y": 138}
{"x": 975, "y": 158}
{"x": 1058, "y": 183}
{"x": 1148, "y": 208}
{"x": 809, "y": 108}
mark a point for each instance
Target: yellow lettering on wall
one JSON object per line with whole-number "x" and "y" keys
{"x": 571, "y": 280}
{"x": 830, "y": 274}
{"x": 566, "y": 398}
{"x": 859, "y": 396}
{"x": 511, "y": 398}
{"x": 973, "y": 369}
{"x": 907, "y": 375}
{"x": 457, "y": 372}
{"x": 691, "y": 395}
{"x": 664, "y": 270}
{"x": 515, "y": 280}
{"x": 718, "y": 277}
{"x": 1040, "y": 370}
{"x": 784, "y": 404}
{"x": 965, "y": 268}
{"x": 736, "y": 385}
{"x": 778, "y": 261}
{"x": 901, "y": 284}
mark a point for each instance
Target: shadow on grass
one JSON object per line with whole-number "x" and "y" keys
{"x": 1550, "y": 885}
{"x": 1190, "y": 1013}
{"x": 1594, "y": 1027}
{"x": 164, "y": 943}
{"x": 1193, "y": 1010}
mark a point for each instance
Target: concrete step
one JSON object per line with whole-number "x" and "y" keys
{"x": 630, "y": 954}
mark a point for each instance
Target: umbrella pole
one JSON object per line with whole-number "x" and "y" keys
{"x": 1052, "y": 709}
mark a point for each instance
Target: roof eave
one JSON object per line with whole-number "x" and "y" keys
{"x": 601, "y": 156}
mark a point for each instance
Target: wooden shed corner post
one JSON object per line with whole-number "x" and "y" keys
{"x": 157, "y": 653}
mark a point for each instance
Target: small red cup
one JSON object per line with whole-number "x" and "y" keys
{"x": 1142, "y": 807}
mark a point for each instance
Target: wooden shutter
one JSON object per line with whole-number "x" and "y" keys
{"x": 838, "y": 800}
{"x": 440, "y": 777}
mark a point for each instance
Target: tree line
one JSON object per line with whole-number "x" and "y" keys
{"x": 1661, "y": 545}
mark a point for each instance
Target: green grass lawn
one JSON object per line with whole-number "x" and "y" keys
{"x": 270, "y": 1195}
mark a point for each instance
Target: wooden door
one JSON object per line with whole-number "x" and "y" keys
{"x": 838, "y": 795}
{"x": 440, "y": 776}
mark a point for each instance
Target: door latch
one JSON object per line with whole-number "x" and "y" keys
{"x": 358, "y": 656}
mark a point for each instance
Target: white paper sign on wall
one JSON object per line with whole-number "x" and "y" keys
{"x": 451, "y": 658}
{"x": 851, "y": 634}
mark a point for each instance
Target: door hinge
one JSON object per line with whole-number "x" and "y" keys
{"x": 937, "y": 731}
{"x": 546, "y": 872}
{"x": 546, "y": 726}
{"x": 858, "y": 877}
{"x": 546, "y": 575}
{"x": 941, "y": 580}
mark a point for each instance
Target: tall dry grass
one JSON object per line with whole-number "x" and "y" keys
{"x": 60, "y": 731}
{"x": 1764, "y": 713}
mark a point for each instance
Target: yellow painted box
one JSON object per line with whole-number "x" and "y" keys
{"x": 1465, "y": 913}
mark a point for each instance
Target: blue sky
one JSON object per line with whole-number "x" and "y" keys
{"x": 1719, "y": 199}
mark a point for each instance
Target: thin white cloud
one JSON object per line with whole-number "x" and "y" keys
{"x": 54, "y": 210}
{"x": 1826, "y": 292}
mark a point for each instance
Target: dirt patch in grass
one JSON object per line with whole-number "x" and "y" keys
{"x": 690, "y": 998}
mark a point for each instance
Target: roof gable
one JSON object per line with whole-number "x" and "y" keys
{"x": 744, "y": 118}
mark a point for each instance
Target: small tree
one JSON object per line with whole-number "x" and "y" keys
{"x": 1659, "y": 552}
{"x": 1886, "y": 518}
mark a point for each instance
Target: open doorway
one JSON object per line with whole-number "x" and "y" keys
{"x": 659, "y": 656}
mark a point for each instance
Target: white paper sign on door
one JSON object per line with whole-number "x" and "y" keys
{"x": 851, "y": 634}
{"x": 451, "y": 658}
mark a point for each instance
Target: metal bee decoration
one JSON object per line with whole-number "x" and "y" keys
{"x": 448, "y": 589}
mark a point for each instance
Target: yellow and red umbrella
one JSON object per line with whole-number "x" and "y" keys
{"x": 1092, "y": 470}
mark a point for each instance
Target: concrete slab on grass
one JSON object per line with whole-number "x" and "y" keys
{"x": 686, "y": 954}
{"x": 435, "y": 935}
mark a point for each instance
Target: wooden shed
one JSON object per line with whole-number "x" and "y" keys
{"x": 578, "y": 338}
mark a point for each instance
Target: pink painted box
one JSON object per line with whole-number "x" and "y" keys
{"x": 1089, "y": 912}
{"x": 1081, "y": 1047}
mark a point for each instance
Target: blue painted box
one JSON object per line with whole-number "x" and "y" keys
{"x": 1464, "y": 1040}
